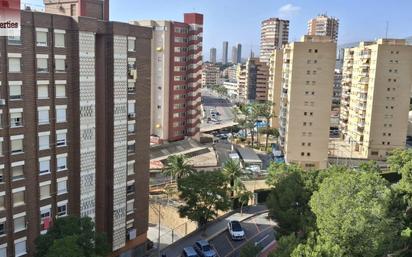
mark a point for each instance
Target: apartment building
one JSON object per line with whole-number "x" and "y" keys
{"x": 225, "y": 46}
{"x": 307, "y": 86}
{"x": 257, "y": 73}
{"x": 229, "y": 73}
{"x": 376, "y": 84}
{"x": 75, "y": 134}
{"x": 347, "y": 70}
{"x": 210, "y": 75}
{"x": 176, "y": 77}
{"x": 323, "y": 25}
{"x": 212, "y": 55}
{"x": 274, "y": 34}
{"x": 242, "y": 83}
{"x": 275, "y": 84}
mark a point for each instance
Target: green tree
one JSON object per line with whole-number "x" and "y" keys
{"x": 244, "y": 198}
{"x": 265, "y": 111}
{"x": 370, "y": 166}
{"x": 315, "y": 246}
{"x": 285, "y": 246}
{"x": 233, "y": 172}
{"x": 177, "y": 166}
{"x": 204, "y": 194}
{"x": 72, "y": 236}
{"x": 249, "y": 250}
{"x": 353, "y": 213}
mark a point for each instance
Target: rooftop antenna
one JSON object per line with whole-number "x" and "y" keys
{"x": 387, "y": 29}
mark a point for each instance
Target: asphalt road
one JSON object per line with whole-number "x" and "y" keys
{"x": 212, "y": 101}
{"x": 258, "y": 230}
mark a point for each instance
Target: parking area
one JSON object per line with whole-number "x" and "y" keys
{"x": 258, "y": 230}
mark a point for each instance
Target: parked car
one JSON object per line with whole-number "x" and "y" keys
{"x": 189, "y": 252}
{"x": 235, "y": 230}
{"x": 204, "y": 249}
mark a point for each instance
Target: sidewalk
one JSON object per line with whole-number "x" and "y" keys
{"x": 213, "y": 229}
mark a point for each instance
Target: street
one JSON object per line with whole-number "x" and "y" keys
{"x": 212, "y": 101}
{"x": 258, "y": 228}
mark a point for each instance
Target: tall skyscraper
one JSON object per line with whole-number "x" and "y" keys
{"x": 75, "y": 128}
{"x": 376, "y": 91}
{"x": 234, "y": 55}
{"x": 239, "y": 53}
{"x": 212, "y": 56}
{"x": 307, "y": 86}
{"x": 176, "y": 82}
{"x": 224, "y": 52}
{"x": 274, "y": 34}
{"x": 323, "y": 25}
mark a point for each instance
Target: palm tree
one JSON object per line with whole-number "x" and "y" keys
{"x": 233, "y": 172}
{"x": 267, "y": 113}
{"x": 177, "y": 167}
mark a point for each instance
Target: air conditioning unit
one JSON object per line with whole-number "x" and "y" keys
{"x": 131, "y": 115}
{"x": 2, "y": 102}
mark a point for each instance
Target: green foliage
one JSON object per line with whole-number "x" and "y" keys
{"x": 232, "y": 171}
{"x": 249, "y": 250}
{"x": 370, "y": 166}
{"x": 353, "y": 213}
{"x": 177, "y": 166}
{"x": 315, "y": 246}
{"x": 204, "y": 194}
{"x": 72, "y": 236}
{"x": 285, "y": 246}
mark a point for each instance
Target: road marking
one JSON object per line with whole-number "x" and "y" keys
{"x": 230, "y": 242}
{"x": 254, "y": 222}
{"x": 214, "y": 248}
{"x": 240, "y": 246}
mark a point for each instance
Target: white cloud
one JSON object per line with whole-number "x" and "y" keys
{"x": 288, "y": 11}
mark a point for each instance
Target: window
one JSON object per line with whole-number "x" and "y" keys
{"x": 130, "y": 207}
{"x": 45, "y": 216}
{"x": 61, "y": 209}
{"x": 131, "y": 88}
{"x": 1, "y": 173}
{"x": 13, "y": 40}
{"x": 131, "y": 108}
{"x": 19, "y": 222}
{"x": 130, "y": 168}
{"x": 131, "y": 69}
{"x": 17, "y": 171}
{"x": 20, "y": 247}
{"x": 42, "y": 65}
{"x": 43, "y": 114}
{"x": 44, "y": 165}
{"x": 131, "y": 42}
{"x": 1, "y": 202}
{"x": 16, "y": 118}
{"x": 45, "y": 191}
{"x": 59, "y": 36}
{"x": 3, "y": 250}
{"x": 62, "y": 186}
{"x": 14, "y": 63}
{"x": 61, "y": 162}
{"x": 131, "y": 147}
{"x": 61, "y": 113}
{"x": 61, "y": 138}
{"x": 41, "y": 37}
{"x": 60, "y": 91}
{"x": 18, "y": 196}
{"x": 130, "y": 127}
{"x": 130, "y": 189}
{"x": 15, "y": 90}
{"x": 2, "y": 227}
{"x": 60, "y": 63}
{"x": 43, "y": 91}
{"x": 44, "y": 140}
{"x": 17, "y": 144}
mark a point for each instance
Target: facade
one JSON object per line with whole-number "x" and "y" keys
{"x": 210, "y": 75}
{"x": 336, "y": 97}
{"x": 176, "y": 77}
{"x": 257, "y": 74}
{"x": 242, "y": 83}
{"x": 379, "y": 78}
{"x": 307, "y": 87}
{"x": 225, "y": 47}
{"x": 234, "y": 55}
{"x": 239, "y": 53}
{"x": 229, "y": 74}
{"x": 212, "y": 55}
{"x": 60, "y": 156}
{"x": 323, "y": 25}
{"x": 274, "y": 34}
{"x": 232, "y": 89}
{"x": 347, "y": 70}
{"x": 275, "y": 84}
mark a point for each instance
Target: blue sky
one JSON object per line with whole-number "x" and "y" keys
{"x": 239, "y": 20}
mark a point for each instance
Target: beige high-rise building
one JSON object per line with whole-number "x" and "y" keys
{"x": 241, "y": 79}
{"x": 275, "y": 84}
{"x": 274, "y": 34}
{"x": 323, "y": 25}
{"x": 380, "y": 87}
{"x": 307, "y": 86}
{"x": 210, "y": 75}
